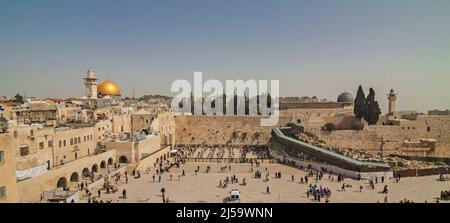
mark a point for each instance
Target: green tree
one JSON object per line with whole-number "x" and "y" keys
{"x": 372, "y": 110}
{"x": 18, "y": 99}
{"x": 360, "y": 103}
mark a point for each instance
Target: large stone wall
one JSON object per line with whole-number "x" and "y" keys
{"x": 237, "y": 130}
{"x": 427, "y": 127}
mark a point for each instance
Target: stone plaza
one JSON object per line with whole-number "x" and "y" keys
{"x": 204, "y": 187}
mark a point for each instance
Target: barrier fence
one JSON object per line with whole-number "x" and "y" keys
{"x": 422, "y": 172}
{"x": 230, "y": 160}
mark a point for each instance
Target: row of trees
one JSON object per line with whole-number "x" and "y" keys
{"x": 366, "y": 107}
{"x": 235, "y": 102}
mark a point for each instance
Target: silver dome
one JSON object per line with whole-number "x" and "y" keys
{"x": 345, "y": 98}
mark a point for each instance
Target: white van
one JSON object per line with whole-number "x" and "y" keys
{"x": 235, "y": 196}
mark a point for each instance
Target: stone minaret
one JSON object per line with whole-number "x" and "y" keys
{"x": 90, "y": 82}
{"x": 392, "y": 98}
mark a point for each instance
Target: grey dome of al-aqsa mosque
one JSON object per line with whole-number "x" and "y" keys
{"x": 345, "y": 98}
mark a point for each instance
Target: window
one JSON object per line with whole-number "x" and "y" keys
{"x": 79, "y": 139}
{"x": 2, "y": 193}
{"x": 64, "y": 143}
{"x": 71, "y": 141}
{"x": 428, "y": 129}
{"x": 84, "y": 138}
{"x": 2, "y": 157}
{"x": 41, "y": 145}
{"x": 50, "y": 144}
{"x": 24, "y": 150}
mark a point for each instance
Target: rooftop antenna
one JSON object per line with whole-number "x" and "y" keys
{"x": 133, "y": 90}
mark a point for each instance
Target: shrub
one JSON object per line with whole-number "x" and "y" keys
{"x": 329, "y": 127}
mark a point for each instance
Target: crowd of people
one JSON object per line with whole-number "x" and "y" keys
{"x": 224, "y": 151}
{"x": 318, "y": 193}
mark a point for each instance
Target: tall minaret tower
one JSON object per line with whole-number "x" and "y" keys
{"x": 90, "y": 82}
{"x": 392, "y": 98}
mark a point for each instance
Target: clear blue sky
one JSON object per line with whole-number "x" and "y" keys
{"x": 313, "y": 47}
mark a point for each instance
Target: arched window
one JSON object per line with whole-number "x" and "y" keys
{"x": 74, "y": 177}
{"x": 62, "y": 183}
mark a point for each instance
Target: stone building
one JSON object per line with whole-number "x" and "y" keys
{"x": 141, "y": 120}
{"x": 8, "y": 186}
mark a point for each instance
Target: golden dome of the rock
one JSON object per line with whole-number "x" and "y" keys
{"x": 108, "y": 88}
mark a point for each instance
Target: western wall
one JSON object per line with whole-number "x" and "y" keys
{"x": 246, "y": 130}
{"x": 236, "y": 130}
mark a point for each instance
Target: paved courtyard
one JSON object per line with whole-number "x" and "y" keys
{"x": 203, "y": 187}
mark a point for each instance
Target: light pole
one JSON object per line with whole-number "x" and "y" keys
{"x": 381, "y": 147}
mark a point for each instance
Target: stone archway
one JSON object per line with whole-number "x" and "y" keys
{"x": 94, "y": 168}
{"x": 103, "y": 165}
{"x": 123, "y": 159}
{"x": 85, "y": 173}
{"x": 110, "y": 161}
{"x": 75, "y": 177}
{"x": 62, "y": 183}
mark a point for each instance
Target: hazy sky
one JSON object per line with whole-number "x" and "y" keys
{"x": 315, "y": 48}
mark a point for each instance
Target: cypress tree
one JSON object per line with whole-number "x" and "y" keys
{"x": 360, "y": 103}
{"x": 372, "y": 109}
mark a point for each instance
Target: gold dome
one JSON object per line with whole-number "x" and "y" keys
{"x": 108, "y": 88}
